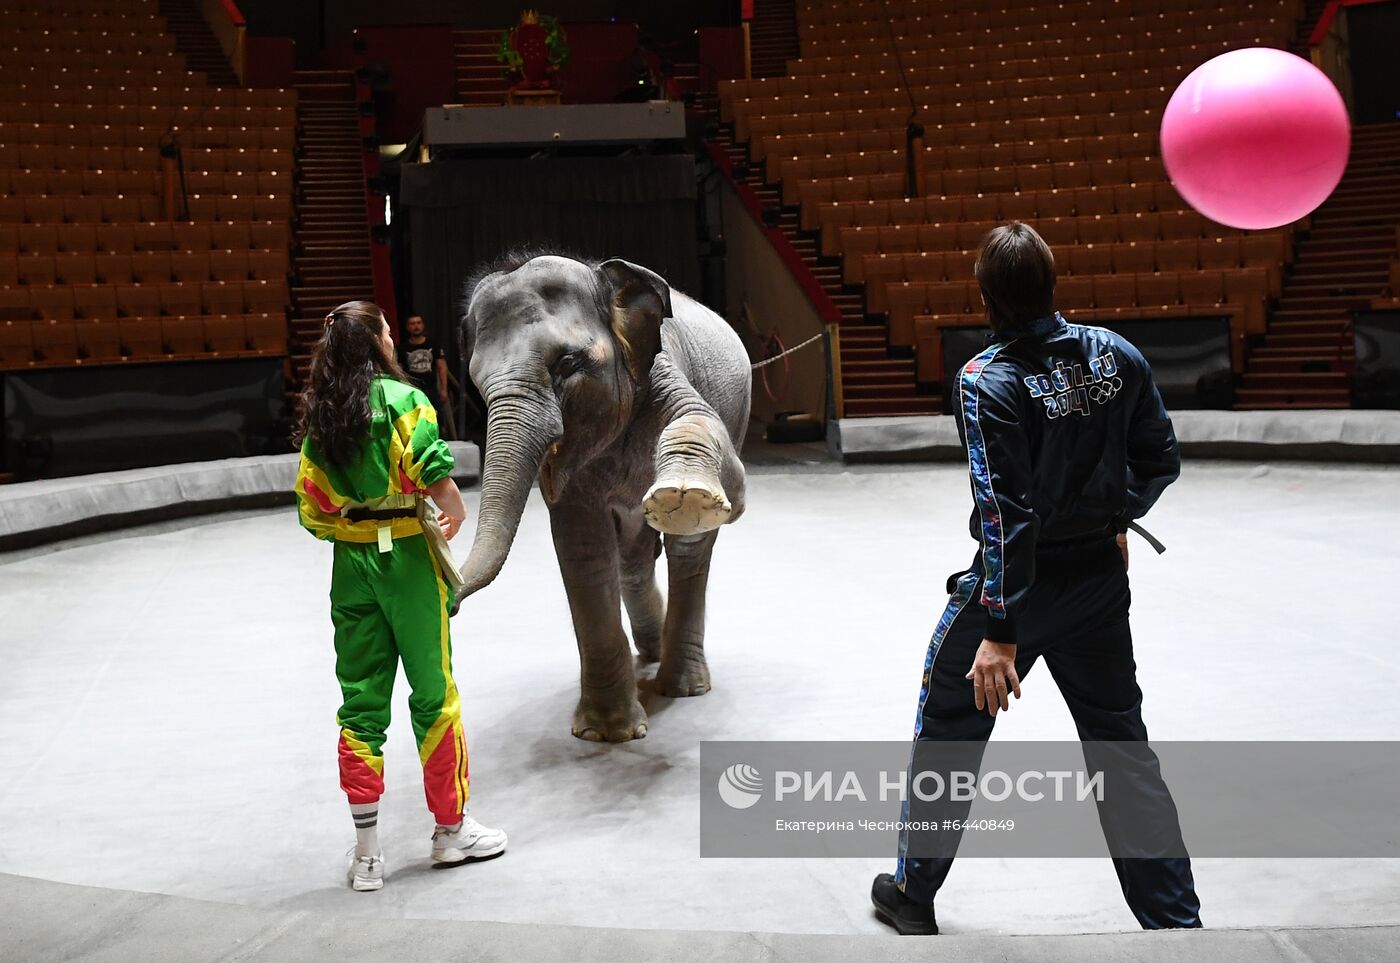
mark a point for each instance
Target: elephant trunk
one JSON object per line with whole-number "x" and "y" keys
{"x": 519, "y": 431}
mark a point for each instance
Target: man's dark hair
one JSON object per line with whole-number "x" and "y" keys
{"x": 1016, "y": 273}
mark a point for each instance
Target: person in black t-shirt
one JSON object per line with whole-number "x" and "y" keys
{"x": 426, "y": 364}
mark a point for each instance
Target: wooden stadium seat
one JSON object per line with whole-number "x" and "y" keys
{"x": 190, "y": 237}
{"x": 157, "y": 236}
{"x": 228, "y": 265}
{"x": 183, "y": 335}
{"x": 267, "y": 333}
{"x": 99, "y": 340}
{"x": 1094, "y": 201}
{"x": 75, "y": 269}
{"x": 95, "y": 300}
{"x": 1089, "y": 259}
{"x": 9, "y": 270}
{"x": 181, "y": 300}
{"x": 1134, "y": 258}
{"x": 16, "y": 343}
{"x": 113, "y": 268}
{"x": 138, "y": 300}
{"x": 226, "y": 335}
{"x": 9, "y": 239}
{"x": 1099, "y": 229}
{"x": 36, "y": 269}
{"x": 150, "y": 267}
{"x": 46, "y": 210}
{"x": 39, "y": 239}
{"x": 267, "y": 265}
{"x": 120, "y": 209}
{"x": 231, "y": 235}
{"x": 221, "y": 298}
{"x": 266, "y": 296}
{"x": 142, "y": 338}
{"x": 1158, "y": 290}
{"x": 55, "y": 341}
{"x": 1178, "y": 255}
{"x": 1202, "y": 288}
{"x": 1072, "y": 293}
{"x": 186, "y": 266}
{"x": 77, "y": 238}
{"x": 52, "y": 302}
{"x": 1115, "y": 292}
{"x": 116, "y": 238}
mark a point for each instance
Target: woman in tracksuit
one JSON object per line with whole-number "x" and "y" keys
{"x": 1067, "y": 443}
{"x": 370, "y": 452}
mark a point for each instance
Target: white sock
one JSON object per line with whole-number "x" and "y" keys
{"x": 366, "y": 816}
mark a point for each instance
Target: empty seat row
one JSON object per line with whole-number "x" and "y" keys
{"x": 111, "y": 59}
{"x": 954, "y": 15}
{"x": 43, "y": 157}
{"x": 114, "y": 210}
{"x": 1024, "y": 179}
{"x": 23, "y": 183}
{"x": 1081, "y": 46}
{"x": 938, "y": 134}
{"x": 26, "y": 344}
{"x": 1245, "y": 289}
{"x": 943, "y": 156}
{"x": 61, "y": 302}
{"x": 156, "y": 236}
{"x": 144, "y": 114}
{"x": 102, "y": 183}
{"x": 81, "y": 7}
{"x": 88, "y": 41}
{"x": 150, "y": 135}
{"x": 906, "y": 36}
{"x": 1076, "y": 202}
{"x": 148, "y": 93}
{"x": 88, "y": 19}
{"x": 966, "y": 102}
{"x": 1263, "y": 251}
{"x": 1099, "y": 229}
{"x": 146, "y": 268}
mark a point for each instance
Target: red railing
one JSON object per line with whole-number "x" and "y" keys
{"x": 811, "y": 287}
{"x": 230, "y": 30}
{"x": 380, "y": 266}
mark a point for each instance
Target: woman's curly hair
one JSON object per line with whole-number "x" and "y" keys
{"x": 335, "y": 410}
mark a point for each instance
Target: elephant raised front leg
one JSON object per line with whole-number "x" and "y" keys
{"x": 699, "y": 478}
{"x": 585, "y": 540}
{"x": 683, "y": 670}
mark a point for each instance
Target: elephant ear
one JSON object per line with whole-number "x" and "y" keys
{"x": 641, "y": 300}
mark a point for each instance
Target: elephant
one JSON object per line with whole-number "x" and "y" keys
{"x": 629, "y": 402}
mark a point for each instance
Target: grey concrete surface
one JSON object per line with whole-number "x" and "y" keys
{"x": 59, "y": 922}
{"x": 1329, "y": 435}
{"x": 169, "y": 707}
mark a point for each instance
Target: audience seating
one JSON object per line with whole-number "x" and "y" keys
{"x": 91, "y": 268}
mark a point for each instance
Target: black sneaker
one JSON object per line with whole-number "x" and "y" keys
{"x": 906, "y": 916}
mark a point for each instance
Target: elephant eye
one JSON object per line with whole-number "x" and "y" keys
{"x": 567, "y": 365}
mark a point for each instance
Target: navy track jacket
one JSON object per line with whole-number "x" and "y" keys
{"x": 1067, "y": 441}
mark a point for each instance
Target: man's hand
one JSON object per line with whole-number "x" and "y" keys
{"x": 449, "y": 524}
{"x": 1123, "y": 547}
{"x": 993, "y": 672}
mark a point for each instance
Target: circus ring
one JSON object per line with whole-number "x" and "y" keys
{"x": 169, "y": 784}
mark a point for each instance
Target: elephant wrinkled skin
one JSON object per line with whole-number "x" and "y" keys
{"x": 628, "y": 401}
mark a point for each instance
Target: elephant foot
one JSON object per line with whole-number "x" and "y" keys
{"x": 648, "y": 649}
{"x": 689, "y": 679}
{"x": 689, "y": 506}
{"x": 616, "y": 722}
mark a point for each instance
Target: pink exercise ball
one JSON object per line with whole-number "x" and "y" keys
{"x": 1255, "y": 138}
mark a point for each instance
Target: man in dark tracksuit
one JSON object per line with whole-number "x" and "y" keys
{"x": 1067, "y": 443}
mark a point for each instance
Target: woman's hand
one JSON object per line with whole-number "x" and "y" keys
{"x": 449, "y": 525}
{"x": 451, "y": 511}
{"x": 1123, "y": 547}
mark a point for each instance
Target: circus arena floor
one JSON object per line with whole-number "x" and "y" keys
{"x": 168, "y": 706}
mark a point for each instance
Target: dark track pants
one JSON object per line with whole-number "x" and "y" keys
{"x": 1076, "y": 618}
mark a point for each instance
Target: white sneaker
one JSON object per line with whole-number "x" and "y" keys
{"x": 469, "y": 841}
{"x": 366, "y": 873}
